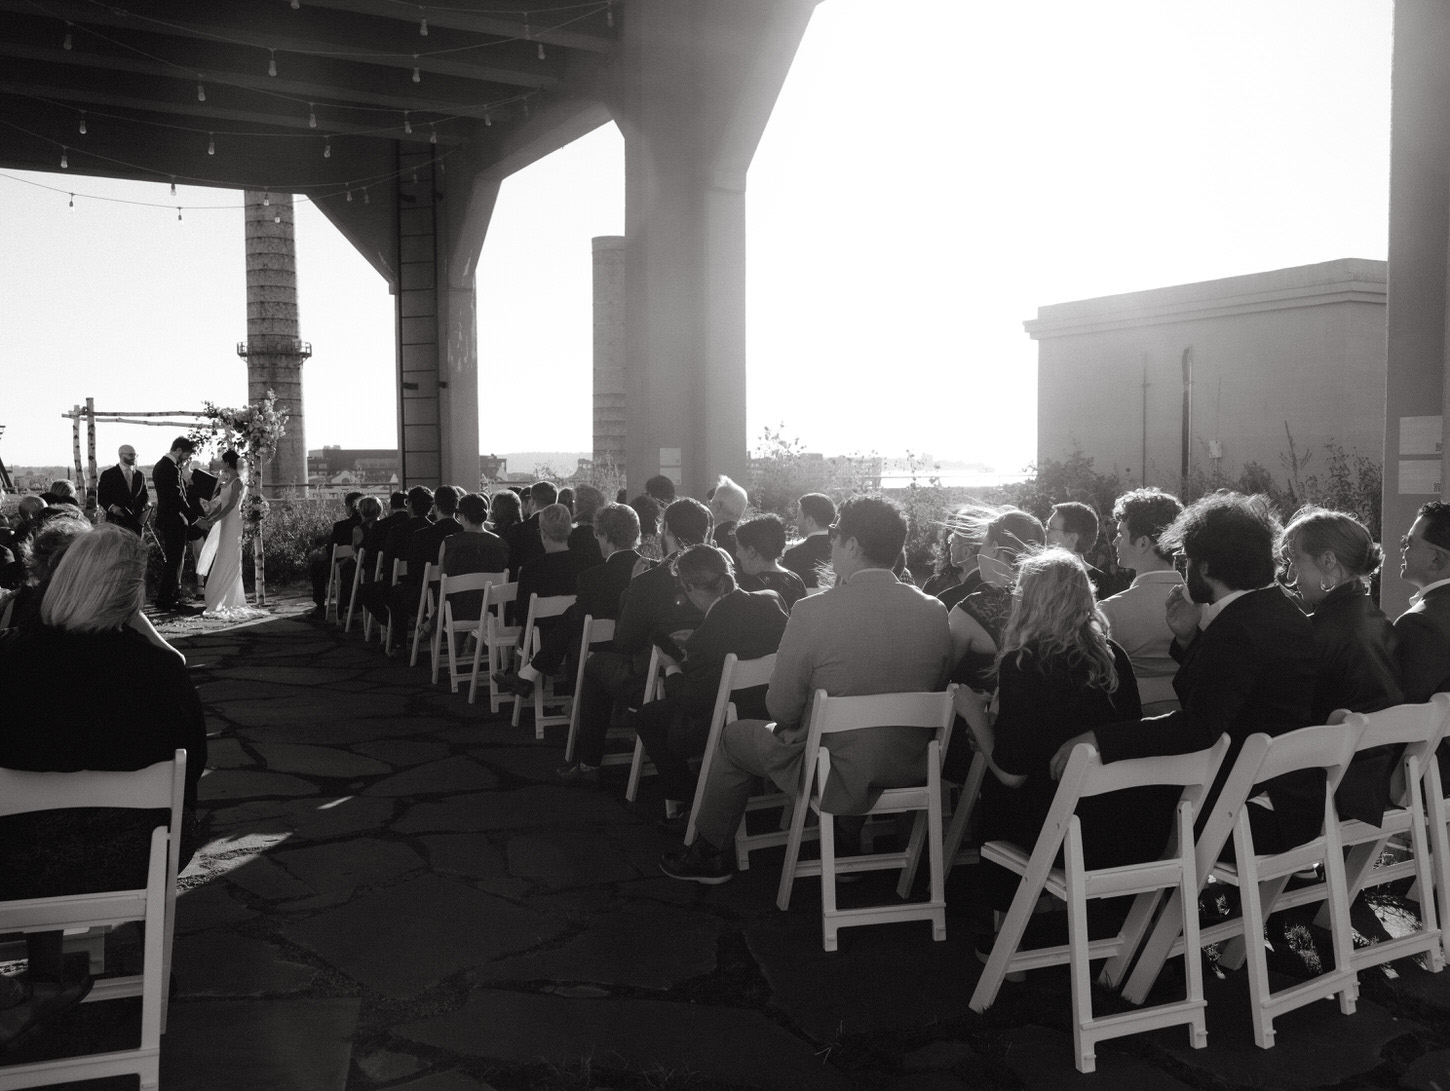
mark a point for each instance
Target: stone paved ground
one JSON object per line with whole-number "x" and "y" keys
{"x": 397, "y": 894}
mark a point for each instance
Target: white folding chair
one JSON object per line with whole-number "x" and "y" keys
{"x": 1437, "y": 808}
{"x": 1261, "y": 879}
{"x": 544, "y": 695}
{"x": 639, "y": 764}
{"x": 829, "y": 716}
{"x": 332, "y": 603}
{"x": 157, "y": 787}
{"x": 368, "y": 620}
{"x": 455, "y": 629}
{"x": 400, "y": 569}
{"x": 1418, "y": 728}
{"x": 352, "y": 602}
{"x": 737, "y": 674}
{"x": 1074, "y": 884}
{"x": 425, "y": 608}
{"x": 499, "y": 639}
{"x": 595, "y": 633}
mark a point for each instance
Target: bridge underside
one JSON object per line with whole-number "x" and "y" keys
{"x": 402, "y": 138}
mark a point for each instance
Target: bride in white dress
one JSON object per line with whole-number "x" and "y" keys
{"x": 221, "y": 556}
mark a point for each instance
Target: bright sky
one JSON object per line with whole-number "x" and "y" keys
{"x": 931, "y": 176}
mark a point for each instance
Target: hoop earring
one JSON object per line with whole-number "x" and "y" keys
{"x": 1332, "y": 585}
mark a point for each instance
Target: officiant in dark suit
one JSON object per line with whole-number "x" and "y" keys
{"x": 173, "y": 520}
{"x": 122, "y": 491}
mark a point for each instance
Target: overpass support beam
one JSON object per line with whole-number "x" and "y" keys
{"x": 692, "y": 89}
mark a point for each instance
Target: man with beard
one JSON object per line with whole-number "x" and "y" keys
{"x": 122, "y": 491}
{"x": 1246, "y": 661}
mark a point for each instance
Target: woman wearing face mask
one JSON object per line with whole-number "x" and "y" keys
{"x": 977, "y": 621}
{"x": 1329, "y": 559}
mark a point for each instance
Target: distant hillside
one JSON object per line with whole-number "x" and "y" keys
{"x": 527, "y": 462}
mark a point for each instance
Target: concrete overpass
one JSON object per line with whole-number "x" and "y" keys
{"x": 401, "y": 121}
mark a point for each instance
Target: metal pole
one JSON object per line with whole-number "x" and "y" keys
{"x": 93, "y": 478}
{"x": 1187, "y": 365}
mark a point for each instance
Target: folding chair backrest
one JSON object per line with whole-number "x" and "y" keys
{"x": 156, "y": 787}
{"x": 400, "y": 568}
{"x": 596, "y": 631}
{"x": 467, "y": 581}
{"x": 736, "y": 675}
{"x": 832, "y": 714}
{"x": 500, "y": 595}
{"x": 1418, "y": 728}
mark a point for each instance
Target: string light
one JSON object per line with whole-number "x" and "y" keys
{"x": 272, "y": 62}
{"x": 311, "y": 115}
{"x": 407, "y": 124}
{"x": 64, "y": 162}
{"x": 349, "y": 196}
{"x": 277, "y": 218}
{"x": 296, "y": 4}
{"x": 487, "y": 120}
{"x": 528, "y": 35}
{"x": 609, "y": 13}
{"x": 423, "y": 28}
{"x": 178, "y": 213}
{"x": 415, "y": 178}
{"x": 327, "y": 149}
{"x": 173, "y": 185}
{"x": 83, "y": 123}
{"x": 541, "y": 51}
{"x": 432, "y": 134}
{"x": 200, "y": 92}
{"x": 266, "y": 197}
{"x": 72, "y": 200}
{"x": 67, "y": 43}
{"x": 417, "y": 76}
{"x": 210, "y": 143}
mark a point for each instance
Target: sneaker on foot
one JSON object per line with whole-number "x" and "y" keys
{"x": 695, "y": 866}
{"x": 579, "y": 773}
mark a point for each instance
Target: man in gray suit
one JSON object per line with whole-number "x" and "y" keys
{"x": 868, "y": 634}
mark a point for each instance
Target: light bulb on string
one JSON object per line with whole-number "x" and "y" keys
{"x": 415, "y": 178}
{"x": 200, "y": 92}
{"x": 327, "y": 149}
{"x": 72, "y": 200}
{"x": 64, "y": 162}
{"x": 296, "y": 4}
{"x": 609, "y": 13}
{"x": 173, "y": 185}
{"x": 277, "y": 218}
{"x": 266, "y": 197}
{"x": 272, "y": 62}
{"x": 83, "y": 123}
{"x": 528, "y": 35}
{"x": 349, "y": 196}
{"x": 432, "y": 134}
{"x": 541, "y": 51}
{"x": 67, "y": 43}
{"x": 365, "y": 195}
{"x": 487, "y": 120}
{"x": 210, "y": 143}
{"x": 311, "y": 115}
{"x": 423, "y": 28}
{"x": 178, "y": 213}
{"x": 417, "y": 75}
{"x": 407, "y": 123}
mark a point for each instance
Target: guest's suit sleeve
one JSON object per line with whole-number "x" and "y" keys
{"x": 1424, "y": 656}
{"x": 631, "y": 631}
{"x": 790, "y": 682}
{"x": 111, "y": 490}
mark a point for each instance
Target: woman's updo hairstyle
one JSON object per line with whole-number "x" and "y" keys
{"x": 230, "y": 459}
{"x": 1317, "y": 531}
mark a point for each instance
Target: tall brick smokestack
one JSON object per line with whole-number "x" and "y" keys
{"x": 273, "y": 351}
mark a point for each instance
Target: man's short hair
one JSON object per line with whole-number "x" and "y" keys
{"x": 505, "y": 505}
{"x": 474, "y": 508}
{"x": 661, "y": 487}
{"x": 587, "y": 502}
{"x": 1436, "y": 514}
{"x": 1233, "y": 534}
{"x": 689, "y": 521}
{"x": 351, "y": 499}
{"x": 63, "y": 488}
{"x": 543, "y": 493}
{"x": 877, "y": 524}
{"x": 369, "y": 507}
{"x": 42, "y": 551}
{"x": 765, "y": 534}
{"x": 732, "y": 498}
{"x": 819, "y": 507}
{"x": 421, "y": 498}
{"x": 183, "y": 443}
{"x": 555, "y": 523}
{"x": 398, "y": 500}
{"x": 1147, "y": 512}
{"x": 706, "y": 568}
{"x": 618, "y": 524}
{"x": 445, "y": 499}
{"x": 1079, "y": 519}
{"x": 649, "y": 511}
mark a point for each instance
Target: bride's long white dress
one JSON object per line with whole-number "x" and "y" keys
{"x": 221, "y": 563}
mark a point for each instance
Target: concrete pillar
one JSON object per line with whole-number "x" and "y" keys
{"x": 437, "y": 320}
{"x": 1419, "y": 248}
{"x": 693, "y": 86}
{"x": 610, "y": 434}
{"x": 273, "y": 350}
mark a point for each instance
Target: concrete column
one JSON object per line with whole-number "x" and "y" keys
{"x": 1419, "y": 249}
{"x": 694, "y": 85}
{"x": 273, "y": 350}
{"x": 610, "y": 435}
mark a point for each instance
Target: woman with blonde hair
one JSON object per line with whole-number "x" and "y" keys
{"x": 1058, "y": 674}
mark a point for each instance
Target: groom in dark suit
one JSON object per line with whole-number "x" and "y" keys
{"x": 122, "y": 490}
{"x": 172, "y": 521}
{"x": 1424, "y": 629}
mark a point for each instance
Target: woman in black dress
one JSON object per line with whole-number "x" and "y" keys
{"x": 759, "y": 544}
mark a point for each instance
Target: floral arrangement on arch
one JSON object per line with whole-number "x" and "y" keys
{"x": 254, "y": 430}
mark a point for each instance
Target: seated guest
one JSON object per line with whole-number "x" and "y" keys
{"x": 977, "y": 621}
{"x": 566, "y": 497}
{"x": 1246, "y": 662}
{"x": 552, "y": 572}
{"x": 425, "y": 547}
{"x": 727, "y": 507}
{"x": 660, "y": 489}
{"x": 40, "y": 554}
{"x": 817, "y": 512}
{"x": 582, "y": 543}
{"x": 759, "y": 543}
{"x": 370, "y": 515}
{"x": 417, "y": 503}
{"x": 127, "y": 705}
{"x": 319, "y": 562}
{"x": 675, "y": 727}
{"x": 653, "y": 612}
{"x": 1057, "y": 673}
{"x": 650, "y": 512}
{"x": 1074, "y": 526}
{"x": 61, "y": 492}
{"x": 1330, "y": 557}
{"x": 869, "y": 634}
{"x": 397, "y": 512}
{"x": 1137, "y": 617}
{"x": 962, "y": 538}
{"x": 524, "y": 539}
{"x": 474, "y": 550}
{"x": 1424, "y": 629}
{"x": 599, "y": 590}
{"x": 504, "y": 510}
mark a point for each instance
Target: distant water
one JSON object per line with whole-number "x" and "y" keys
{"x": 962, "y": 479}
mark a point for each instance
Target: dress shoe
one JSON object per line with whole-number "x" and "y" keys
{"x": 185, "y": 609}
{"x": 43, "y": 1001}
{"x": 694, "y": 865}
{"x": 579, "y": 773}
